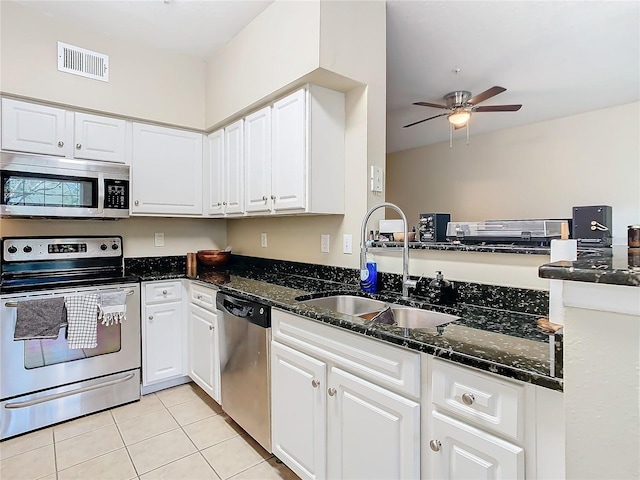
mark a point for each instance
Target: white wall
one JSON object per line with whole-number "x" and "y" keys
{"x": 535, "y": 171}
{"x": 143, "y": 83}
{"x": 277, "y": 48}
{"x": 181, "y": 235}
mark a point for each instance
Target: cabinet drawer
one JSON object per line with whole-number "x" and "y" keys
{"x": 155, "y": 292}
{"x": 204, "y": 297}
{"x": 391, "y": 367}
{"x": 485, "y": 400}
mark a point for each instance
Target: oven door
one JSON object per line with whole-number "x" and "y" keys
{"x": 32, "y": 365}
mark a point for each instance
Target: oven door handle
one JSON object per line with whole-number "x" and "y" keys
{"x": 15, "y": 304}
{"x": 55, "y": 396}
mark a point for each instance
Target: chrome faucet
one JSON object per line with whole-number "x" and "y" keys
{"x": 406, "y": 282}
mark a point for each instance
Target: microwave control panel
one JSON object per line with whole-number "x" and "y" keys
{"x": 116, "y": 194}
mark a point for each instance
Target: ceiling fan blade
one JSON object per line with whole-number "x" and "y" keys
{"x": 434, "y": 105}
{"x": 420, "y": 121}
{"x": 498, "y": 108}
{"x": 487, "y": 94}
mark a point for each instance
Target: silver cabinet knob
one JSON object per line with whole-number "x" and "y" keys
{"x": 60, "y": 144}
{"x": 264, "y": 198}
{"x": 78, "y": 146}
{"x": 199, "y": 297}
{"x": 435, "y": 445}
{"x": 150, "y": 317}
{"x": 331, "y": 392}
{"x": 219, "y": 204}
{"x": 315, "y": 383}
{"x": 224, "y": 203}
{"x": 273, "y": 197}
{"x": 468, "y": 398}
{"x": 164, "y": 292}
{"x": 210, "y": 327}
{"x": 136, "y": 203}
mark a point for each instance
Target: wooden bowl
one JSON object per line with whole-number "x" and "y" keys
{"x": 399, "y": 237}
{"x": 213, "y": 258}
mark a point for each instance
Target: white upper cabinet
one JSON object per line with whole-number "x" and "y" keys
{"x": 214, "y": 181}
{"x": 34, "y": 128}
{"x": 258, "y": 161}
{"x": 234, "y": 168}
{"x": 99, "y": 138}
{"x": 289, "y": 173}
{"x": 295, "y": 154}
{"x": 166, "y": 171}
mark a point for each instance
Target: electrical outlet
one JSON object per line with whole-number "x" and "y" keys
{"x": 158, "y": 239}
{"x": 324, "y": 243}
{"x": 263, "y": 240}
{"x": 347, "y": 243}
{"x": 376, "y": 179}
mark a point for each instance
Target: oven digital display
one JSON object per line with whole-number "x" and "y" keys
{"x": 67, "y": 247}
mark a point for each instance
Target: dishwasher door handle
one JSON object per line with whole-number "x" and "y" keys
{"x": 236, "y": 309}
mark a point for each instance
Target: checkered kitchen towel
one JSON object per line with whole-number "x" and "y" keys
{"x": 82, "y": 319}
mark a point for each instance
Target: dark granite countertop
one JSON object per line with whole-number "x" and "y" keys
{"x": 499, "y": 341}
{"x": 617, "y": 265}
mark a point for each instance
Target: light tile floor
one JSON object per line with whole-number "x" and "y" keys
{"x": 178, "y": 433}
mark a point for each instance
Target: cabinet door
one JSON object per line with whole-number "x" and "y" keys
{"x": 99, "y": 138}
{"x": 234, "y": 168}
{"x": 298, "y": 406}
{"x": 202, "y": 341}
{"x": 257, "y": 134}
{"x": 214, "y": 174}
{"x": 163, "y": 347}
{"x": 166, "y": 171}
{"x": 33, "y": 128}
{"x": 289, "y": 153}
{"x": 459, "y": 451}
{"x": 373, "y": 433}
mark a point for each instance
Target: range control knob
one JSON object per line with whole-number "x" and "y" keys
{"x": 12, "y": 249}
{"x": 114, "y": 246}
{"x": 27, "y": 249}
{"x": 103, "y": 246}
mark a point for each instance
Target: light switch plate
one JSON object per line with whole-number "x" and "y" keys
{"x": 158, "y": 239}
{"x": 324, "y": 243}
{"x": 347, "y": 243}
{"x": 376, "y": 179}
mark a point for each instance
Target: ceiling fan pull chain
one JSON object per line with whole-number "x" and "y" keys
{"x": 467, "y": 133}
{"x": 451, "y": 135}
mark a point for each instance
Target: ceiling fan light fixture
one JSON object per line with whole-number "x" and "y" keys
{"x": 459, "y": 117}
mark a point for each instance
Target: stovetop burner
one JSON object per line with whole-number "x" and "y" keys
{"x": 30, "y": 263}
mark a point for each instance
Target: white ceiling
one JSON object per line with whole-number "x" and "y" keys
{"x": 556, "y": 58}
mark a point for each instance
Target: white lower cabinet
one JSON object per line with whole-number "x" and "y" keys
{"x": 329, "y": 418}
{"x": 162, "y": 332}
{"x": 462, "y": 452}
{"x": 203, "y": 340}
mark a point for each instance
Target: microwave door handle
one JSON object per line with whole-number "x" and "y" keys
{"x": 100, "y": 194}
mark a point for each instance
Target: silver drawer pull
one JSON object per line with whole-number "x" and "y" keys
{"x": 435, "y": 445}
{"x": 150, "y": 317}
{"x": 199, "y": 297}
{"x": 210, "y": 327}
{"x": 468, "y": 398}
{"x": 55, "y": 396}
{"x": 15, "y": 304}
{"x": 78, "y": 146}
{"x": 315, "y": 383}
{"x": 61, "y": 144}
{"x": 164, "y": 292}
{"x": 331, "y": 392}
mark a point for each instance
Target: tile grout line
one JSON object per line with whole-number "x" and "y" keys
{"x": 126, "y": 447}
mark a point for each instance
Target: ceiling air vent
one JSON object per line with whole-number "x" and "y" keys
{"x": 85, "y": 63}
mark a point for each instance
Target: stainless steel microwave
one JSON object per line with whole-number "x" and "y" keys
{"x": 40, "y": 186}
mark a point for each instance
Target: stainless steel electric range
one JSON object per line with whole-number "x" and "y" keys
{"x": 44, "y": 381}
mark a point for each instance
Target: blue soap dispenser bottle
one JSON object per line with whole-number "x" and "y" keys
{"x": 369, "y": 277}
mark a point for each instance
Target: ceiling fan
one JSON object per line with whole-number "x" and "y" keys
{"x": 461, "y": 105}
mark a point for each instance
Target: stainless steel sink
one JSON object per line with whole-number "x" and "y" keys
{"x": 409, "y": 317}
{"x": 347, "y": 304}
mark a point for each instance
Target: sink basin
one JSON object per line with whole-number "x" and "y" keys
{"x": 347, "y": 304}
{"x": 408, "y": 317}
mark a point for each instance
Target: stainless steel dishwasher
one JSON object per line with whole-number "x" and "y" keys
{"x": 245, "y": 338}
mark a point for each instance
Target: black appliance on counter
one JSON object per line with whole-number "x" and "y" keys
{"x": 592, "y": 225}
{"x": 432, "y": 227}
